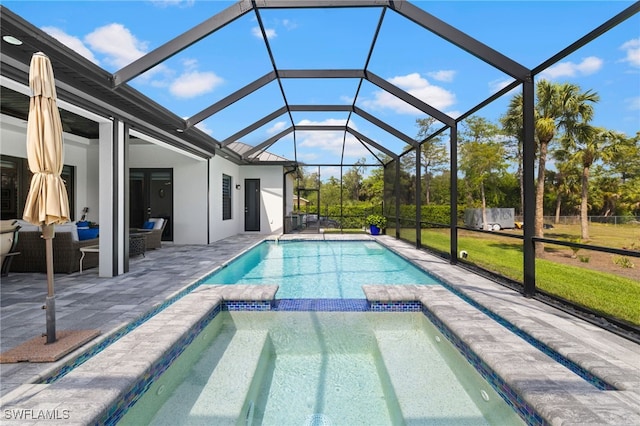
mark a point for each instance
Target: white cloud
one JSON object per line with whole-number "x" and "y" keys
{"x": 270, "y": 32}
{"x": 417, "y": 86}
{"x": 588, "y": 66}
{"x": 276, "y": 128}
{"x": 289, "y": 24}
{"x": 497, "y": 85}
{"x": 203, "y": 126}
{"x": 329, "y": 141}
{"x": 633, "y": 52}
{"x": 194, "y": 83}
{"x": 442, "y": 75}
{"x": 72, "y": 42}
{"x": 116, "y": 42}
{"x": 169, "y": 3}
{"x": 633, "y": 104}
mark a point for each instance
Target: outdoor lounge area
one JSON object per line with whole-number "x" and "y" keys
{"x": 494, "y": 171}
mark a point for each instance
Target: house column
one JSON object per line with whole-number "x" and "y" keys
{"x": 111, "y": 189}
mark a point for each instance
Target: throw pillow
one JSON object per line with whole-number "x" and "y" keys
{"x": 148, "y": 225}
{"x": 157, "y": 223}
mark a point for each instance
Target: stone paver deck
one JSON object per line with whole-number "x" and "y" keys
{"x": 86, "y": 301}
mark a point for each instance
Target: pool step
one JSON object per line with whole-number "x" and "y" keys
{"x": 425, "y": 387}
{"x": 215, "y": 391}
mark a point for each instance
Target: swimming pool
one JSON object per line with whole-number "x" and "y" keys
{"x": 536, "y": 384}
{"x": 320, "y": 269}
{"x": 301, "y": 368}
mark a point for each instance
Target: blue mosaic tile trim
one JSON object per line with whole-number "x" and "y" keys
{"x": 249, "y": 305}
{"x": 528, "y": 413}
{"x": 322, "y": 305}
{"x": 80, "y": 359}
{"x": 406, "y": 306}
{"x": 115, "y": 412}
{"x": 559, "y": 358}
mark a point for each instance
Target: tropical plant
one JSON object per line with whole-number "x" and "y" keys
{"x": 512, "y": 126}
{"x": 588, "y": 144}
{"x": 377, "y": 220}
{"x": 558, "y": 106}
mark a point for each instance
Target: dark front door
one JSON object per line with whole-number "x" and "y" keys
{"x": 151, "y": 195}
{"x": 252, "y": 204}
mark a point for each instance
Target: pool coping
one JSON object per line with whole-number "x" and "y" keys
{"x": 87, "y": 391}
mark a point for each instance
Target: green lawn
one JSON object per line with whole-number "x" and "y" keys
{"x": 609, "y": 294}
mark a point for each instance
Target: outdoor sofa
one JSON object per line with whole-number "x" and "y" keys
{"x": 66, "y": 250}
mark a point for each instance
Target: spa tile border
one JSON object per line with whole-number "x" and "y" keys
{"x": 469, "y": 329}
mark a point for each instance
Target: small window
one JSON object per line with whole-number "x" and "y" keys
{"x": 226, "y": 197}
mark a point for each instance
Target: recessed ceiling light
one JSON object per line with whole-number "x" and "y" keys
{"x": 179, "y": 130}
{"x": 12, "y": 40}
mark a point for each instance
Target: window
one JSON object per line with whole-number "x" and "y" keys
{"x": 226, "y": 197}
{"x": 16, "y": 177}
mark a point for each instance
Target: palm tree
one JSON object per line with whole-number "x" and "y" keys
{"x": 512, "y": 126}
{"x": 588, "y": 144}
{"x": 565, "y": 180}
{"x": 558, "y": 106}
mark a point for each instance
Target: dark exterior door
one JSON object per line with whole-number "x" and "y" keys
{"x": 151, "y": 195}
{"x": 252, "y": 204}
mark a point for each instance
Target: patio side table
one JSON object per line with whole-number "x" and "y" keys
{"x": 88, "y": 249}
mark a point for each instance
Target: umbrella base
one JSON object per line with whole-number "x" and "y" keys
{"x": 37, "y": 350}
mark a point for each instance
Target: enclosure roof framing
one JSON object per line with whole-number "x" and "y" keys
{"x": 109, "y": 94}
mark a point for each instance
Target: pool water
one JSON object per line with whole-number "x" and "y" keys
{"x": 303, "y": 368}
{"x": 320, "y": 269}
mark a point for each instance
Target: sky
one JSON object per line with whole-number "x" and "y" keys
{"x": 112, "y": 34}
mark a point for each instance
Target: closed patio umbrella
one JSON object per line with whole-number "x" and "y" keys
{"x": 47, "y": 203}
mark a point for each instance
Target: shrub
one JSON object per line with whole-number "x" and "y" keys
{"x": 623, "y": 261}
{"x": 377, "y": 220}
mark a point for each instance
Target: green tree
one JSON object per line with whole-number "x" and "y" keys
{"x": 330, "y": 192}
{"x": 625, "y": 160}
{"x": 352, "y": 180}
{"x": 512, "y": 126}
{"x": 619, "y": 181}
{"x": 559, "y": 106}
{"x": 482, "y": 157}
{"x": 434, "y": 153}
{"x": 373, "y": 186}
{"x": 564, "y": 182}
{"x": 587, "y": 145}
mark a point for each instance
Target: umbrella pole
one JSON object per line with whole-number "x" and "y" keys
{"x": 48, "y": 233}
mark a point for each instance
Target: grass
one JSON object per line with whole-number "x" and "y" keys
{"x": 606, "y": 293}
{"x": 600, "y": 234}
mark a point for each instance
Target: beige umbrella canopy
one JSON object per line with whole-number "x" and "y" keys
{"x": 47, "y": 203}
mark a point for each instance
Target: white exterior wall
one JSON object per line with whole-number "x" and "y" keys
{"x": 79, "y": 152}
{"x": 270, "y": 196}
{"x": 190, "y": 185}
{"x": 218, "y": 228}
{"x": 189, "y": 189}
{"x": 271, "y": 220}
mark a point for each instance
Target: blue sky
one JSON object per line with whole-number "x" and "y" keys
{"x": 114, "y": 33}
